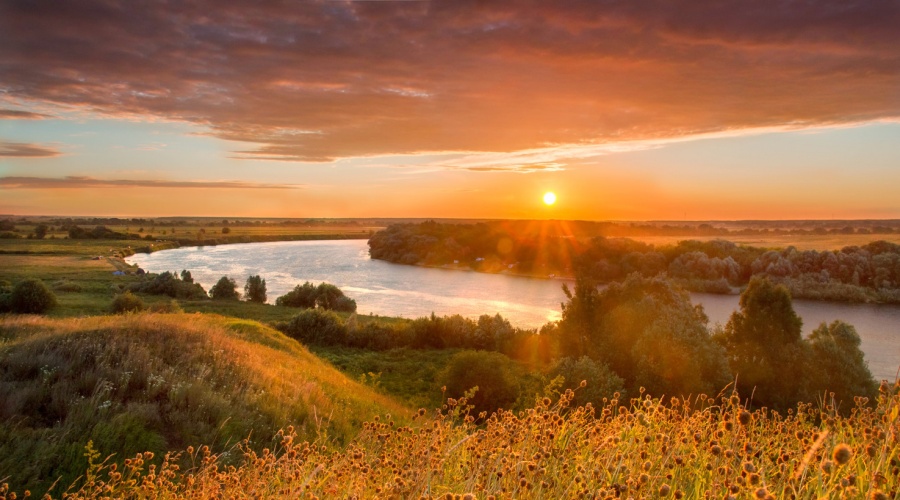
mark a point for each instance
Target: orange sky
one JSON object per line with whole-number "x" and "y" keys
{"x": 661, "y": 109}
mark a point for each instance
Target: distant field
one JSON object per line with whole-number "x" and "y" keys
{"x": 164, "y": 231}
{"x": 802, "y": 242}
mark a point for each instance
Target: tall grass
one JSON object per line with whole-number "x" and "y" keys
{"x": 647, "y": 448}
{"x": 160, "y": 382}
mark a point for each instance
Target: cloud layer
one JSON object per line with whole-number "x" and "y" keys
{"x": 320, "y": 80}
{"x": 81, "y": 182}
{"x": 26, "y": 150}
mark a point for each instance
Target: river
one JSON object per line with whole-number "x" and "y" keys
{"x": 409, "y": 291}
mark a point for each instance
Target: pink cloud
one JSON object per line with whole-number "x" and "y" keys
{"x": 377, "y": 78}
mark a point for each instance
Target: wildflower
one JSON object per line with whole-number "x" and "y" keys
{"x": 841, "y": 454}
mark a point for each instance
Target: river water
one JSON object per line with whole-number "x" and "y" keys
{"x": 408, "y": 291}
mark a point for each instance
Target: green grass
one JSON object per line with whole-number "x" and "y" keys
{"x": 159, "y": 382}
{"x": 407, "y": 374}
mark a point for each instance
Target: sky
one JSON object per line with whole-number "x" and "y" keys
{"x": 627, "y": 110}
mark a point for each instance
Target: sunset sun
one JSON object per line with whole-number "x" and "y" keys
{"x": 549, "y": 198}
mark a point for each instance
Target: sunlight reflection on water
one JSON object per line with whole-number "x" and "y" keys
{"x": 407, "y": 291}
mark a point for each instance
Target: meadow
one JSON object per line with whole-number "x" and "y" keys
{"x": 691, "y": 448}
{"x": 208, "y": 400}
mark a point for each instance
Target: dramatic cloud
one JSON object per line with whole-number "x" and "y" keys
{"x": 24, "y": 150}
{"x": 319, "y": 80}
{"x": 78, "y": 182}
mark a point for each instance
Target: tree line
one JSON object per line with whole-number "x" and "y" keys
{"x": 867, "y": 273}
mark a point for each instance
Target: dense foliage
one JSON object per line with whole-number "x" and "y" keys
{"x": 168, "y": 283}
{"x": 255, "y": 289}
{"x": 224, "y": 289}
{"x": 325, "y": 296}
{"x": 869, "y": 273}
{"x": 30, "y": 296}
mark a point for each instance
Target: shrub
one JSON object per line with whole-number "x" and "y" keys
{"x": 224, "y": 289}
{"x": 31, "y": 297}
{"x": 344, "y": 304}
{"x": 316, "y": 326}
{"x": 301, "y": 296}
{"x": 255, "y": 289}
{"x": 127, "y": 303}
{"x": 167, "y": 283}
{"x": 601, "y": 382}
{"x": 491, "y": 372}
{"x": 168, "y": 307}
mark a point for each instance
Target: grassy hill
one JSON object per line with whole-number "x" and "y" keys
{"x": 157, "y": 382}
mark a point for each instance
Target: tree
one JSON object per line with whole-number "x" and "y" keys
{"x": 301, "y": 296}
{"x": 838, "y": 365}
{"x": 255, "y": 289}
{"x": 31, "y": 296}
{"x": 186, "y": 276}
{"x": 327, "y": 295}
{"x": 764, "y": 344}
{"x": 648, "y": 332}
{"x": 40, "y": 231}
{"x": 494, "y": 374}
{"x": 224, "y": 289}
{"x": 226, "y": 230}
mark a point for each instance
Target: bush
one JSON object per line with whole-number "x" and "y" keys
{"x": 344, "y": 304}
{"x": 316, "y": 326}
{"x": 491, "y": 372}
{"x": 325, "y": 296}
{"x": 301, "y": 296}
{"x": 167, "y": 283}
{"x": 255, "y": 289}
{"x": 224, "y": 289}
{"x": 168, "y": 307}
{"x": 127, "y": 303}
{"x": 31, "y": 297}
{"x": 601, "y": 382}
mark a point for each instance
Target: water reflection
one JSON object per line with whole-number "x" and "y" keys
{"x": 395, "y": 290}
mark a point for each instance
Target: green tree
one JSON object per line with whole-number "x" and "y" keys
{"x": 40, "y": 231}
{"x": 838, "y": 364}
{"x": 255, "y": 289}
{"x": 648, "y": 332}
{"x": 764, "y": 344}
{"x": 301, "y": 296}
{"x": 327, "y": 295}
{"x": 224, "y": 289}
{"x": 31, "y": 296}
{"x": 495, "y": 376}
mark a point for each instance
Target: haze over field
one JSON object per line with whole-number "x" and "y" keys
{"x": 657, "y": 110}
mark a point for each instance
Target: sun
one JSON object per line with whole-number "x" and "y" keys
{"x": 549, "y": 198}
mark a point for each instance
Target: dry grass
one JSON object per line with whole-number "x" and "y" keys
{"x": 694, "y": 448}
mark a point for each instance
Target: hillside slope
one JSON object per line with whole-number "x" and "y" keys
{"x": 159, "y": 382}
